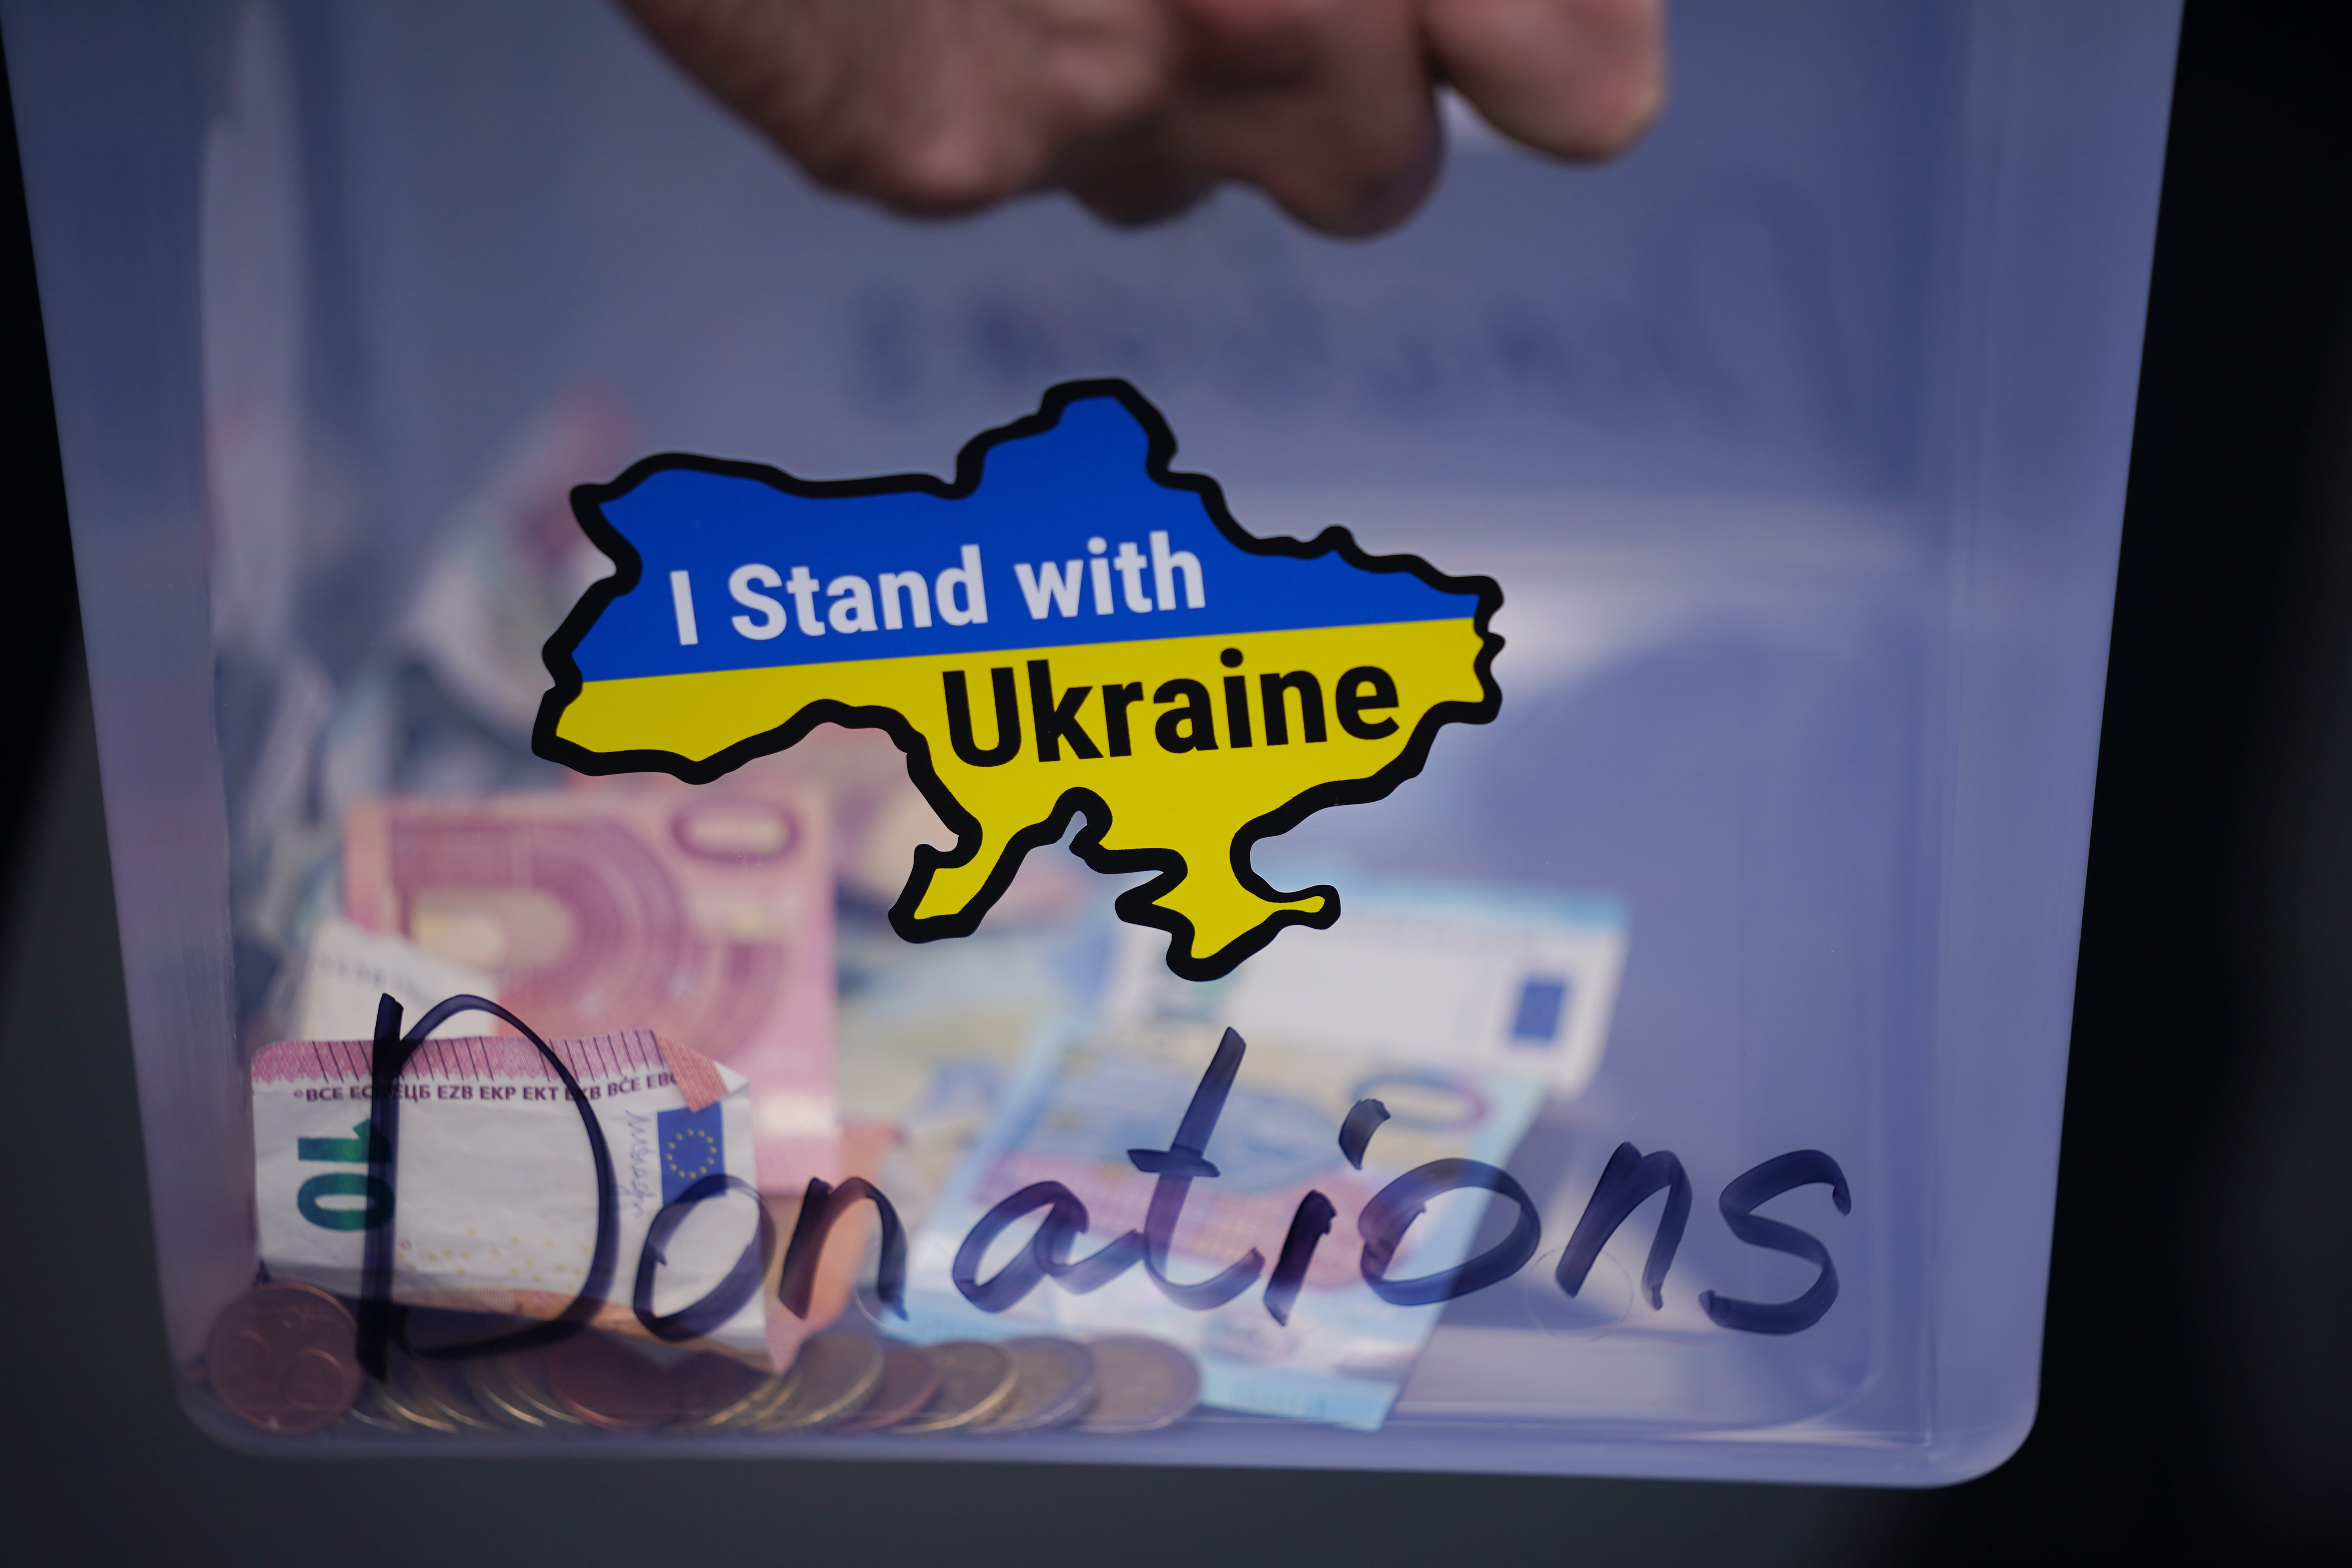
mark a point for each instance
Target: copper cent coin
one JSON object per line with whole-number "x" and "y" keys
{"x": 906, "y": 1385}
{"x": 833, "y": 1376}
{"x": 608, "y": 1385}
{"x": 283, "y": 1357}
{"x": 975, "y": 1382}
{"x": 1143, "y": 1385}
{"x": 1053, "y": 1384}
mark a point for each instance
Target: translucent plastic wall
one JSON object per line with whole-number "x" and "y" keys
{"x": 1794, "y": 443}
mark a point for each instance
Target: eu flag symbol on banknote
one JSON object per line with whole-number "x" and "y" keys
{"x": 693, "y": 1145}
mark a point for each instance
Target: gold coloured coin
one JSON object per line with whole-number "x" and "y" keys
{"x": 976, "y": 1381}
{"x": 400, "y": 1409}
{"x": 521, "y": 1376}
{"x": 368, "y": 1413}
{"x": 764, "y": 1402}
{"x": 908, "y": 1380}
{"x": 486, "y": 1380}
{"x": 438, "y": 1388}
{"x": 1143, "y": 1384}
{"x": 1053, "y": 1384}
{"x": 717, "y": 1392}
{"x": 832, "y": 1377}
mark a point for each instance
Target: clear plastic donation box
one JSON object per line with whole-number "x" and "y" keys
{"x": 746, "y": 827}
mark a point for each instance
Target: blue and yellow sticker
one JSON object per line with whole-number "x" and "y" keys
{"x": 1066, "y": 628}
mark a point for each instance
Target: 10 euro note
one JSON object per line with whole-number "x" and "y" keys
{"x": 493, "y": 1200}
{"x": 705, "y": 913}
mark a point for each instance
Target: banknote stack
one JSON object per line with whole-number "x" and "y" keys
{"x": 499, "y": 1202}
{"x": 426, "y": 692}
{"x": 1457, "y": 1009}
{"x": 284, "y": 1358}
{"x": 705, "y": 915}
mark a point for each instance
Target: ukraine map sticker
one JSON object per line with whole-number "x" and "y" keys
{"x": 1067, "y": 628}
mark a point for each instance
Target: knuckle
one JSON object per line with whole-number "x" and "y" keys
{"x": 1104, "y": 94}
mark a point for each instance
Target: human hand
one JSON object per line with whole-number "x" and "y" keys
{"x": 1139, "y": 108}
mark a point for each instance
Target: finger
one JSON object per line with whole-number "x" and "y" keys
{"x": 1345, "y": 187}
{"x": 1341, "y": 164}
{"x": 927, "y": 106}
{"x": 1577, "y": 78}
{"x": 1128, "y": 181}
{"x": 1323, "y": 104}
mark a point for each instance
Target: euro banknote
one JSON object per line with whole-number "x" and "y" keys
{"x": 1459, "y": 1007}
{"x": 1469, "y": 975}
{"x": 705, "y": 914}
{"x": 1083, "y": 1100}
{"x": 493, "y": 1199}
{"x": 931, "y": 1034}
{"x": 345, "y": 968}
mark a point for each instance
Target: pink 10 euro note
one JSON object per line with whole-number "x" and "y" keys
{"x": 704, "y": 914}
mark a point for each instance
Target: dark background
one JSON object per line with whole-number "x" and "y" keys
{"x": 2196, "y": 1376}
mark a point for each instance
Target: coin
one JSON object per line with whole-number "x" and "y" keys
{"x": 403, "y": 1408}
{"x": 609, "y": 1385}
{"x": 384, "y": 1404}
{"x": 1054, "y": 1383}
{"x": 439, "y": 1386}
{"x": 487, "y": 1379}
{"x": 370, "y": 1412}
{"x": 975, "y": 1382}
{"x": 906, "y": 1385}
{"x": 832, "y": 1377}
{"x": 716, "y": 1390}
{"x": 282, "y": 1357}
{"x": 1143, "y": 1385}
{"x": 765, "y": 1400}
{"x": 524, "y": 1376}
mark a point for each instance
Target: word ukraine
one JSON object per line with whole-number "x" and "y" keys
{"x": 1067, "y": 629}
